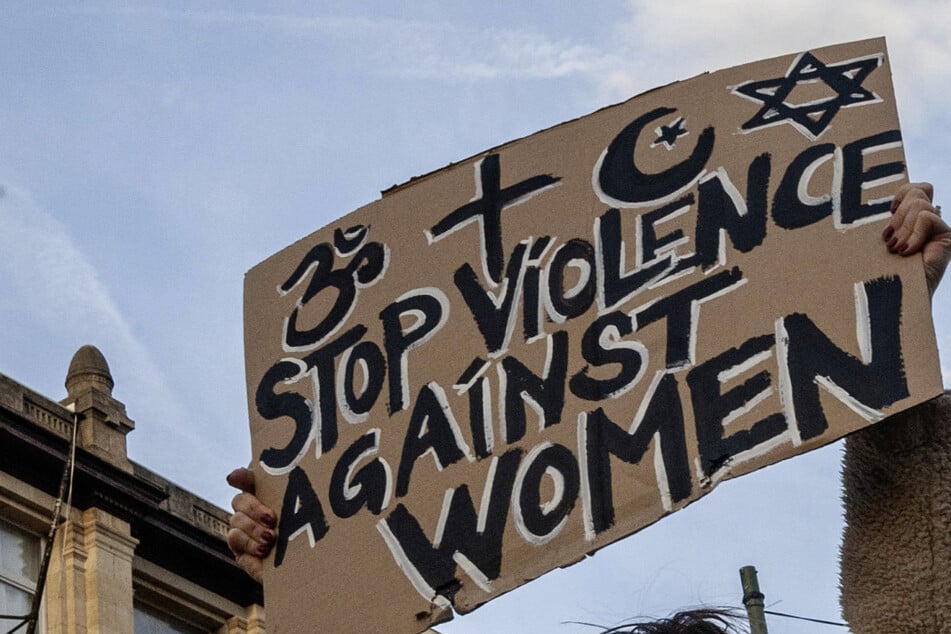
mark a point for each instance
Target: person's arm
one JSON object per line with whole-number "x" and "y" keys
{"x": 916, "y": 225}
{"x": 253, "y": 525}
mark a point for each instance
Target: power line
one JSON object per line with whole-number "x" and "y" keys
{"x": 805, "y": 618}
{"x": 65, "y": 488}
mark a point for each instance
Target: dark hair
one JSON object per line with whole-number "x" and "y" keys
{"x": 700, "y": 621}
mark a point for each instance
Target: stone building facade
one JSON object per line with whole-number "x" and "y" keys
{"x": 136, "y": 553}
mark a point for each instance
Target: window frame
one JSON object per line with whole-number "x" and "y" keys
{"x": 18, "y": 582}
{"x": 164, "y": 616}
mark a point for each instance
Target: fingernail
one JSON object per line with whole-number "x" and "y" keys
{"x": 268, "y": 520}
{"x": 892, "y": 242}
{"x": 888, "y": 233}
{"x": 262, "y": 550}
{"x": 268, "y": 536}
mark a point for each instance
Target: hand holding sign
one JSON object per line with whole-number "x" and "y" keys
{"x": 252, "y": 526}
{"x": 916, "y": 225}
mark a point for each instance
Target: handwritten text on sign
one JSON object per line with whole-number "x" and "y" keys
{"x": 557, "y": 357}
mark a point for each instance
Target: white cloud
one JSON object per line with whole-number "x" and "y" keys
{"x": 684, "y": 38}
{"x": 395, "y": 46}
{"x": 660, "y": 41}
{"x": 47, "y": 280}
{"x": 508, "y": 53}
{"x": 734, "y": 31}
{"x": 45, "y": 272}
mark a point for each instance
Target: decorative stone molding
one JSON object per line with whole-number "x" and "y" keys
{"x": 110, "y": 548}
{"x": 104, "y": 422}
{"x": 45, "y": 417}
{"x": 130, "y": 532}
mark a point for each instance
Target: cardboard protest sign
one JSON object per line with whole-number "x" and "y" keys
{"x": 511, "y": 362}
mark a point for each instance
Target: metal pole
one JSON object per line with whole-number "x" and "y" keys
{"x": 753, "y": 600}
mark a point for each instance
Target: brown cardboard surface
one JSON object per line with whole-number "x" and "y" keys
{"x": 513, "y": 361}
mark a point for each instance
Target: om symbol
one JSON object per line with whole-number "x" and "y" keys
{"x": 367, "y": 265}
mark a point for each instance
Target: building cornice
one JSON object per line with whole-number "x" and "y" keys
{"x": 176, "y": 529}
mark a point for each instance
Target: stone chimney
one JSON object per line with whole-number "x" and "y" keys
{"x": 103, "y": 422}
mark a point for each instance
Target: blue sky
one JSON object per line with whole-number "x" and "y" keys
{"x": 151, "y": 153}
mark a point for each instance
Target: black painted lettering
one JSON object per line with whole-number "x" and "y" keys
{"x": 301, "y": 513}
{"x": 867, "y": 385}
{"x": 476, "y": 385}
{"x": 855, "y": 178}
{"x": 480, "y": 418}
{"x": 462, "y": 538}
{"x": 432, "y": 428}
{"x": 322, "y": 360}
{"x": 660, "y": 421}
{"x": 679, "y": 309}
{"x": 273, "y": 405}
{"x": 653, "y": 245}
{"x": 602, "y": 345}
{"x": 568, "y": 303}
{"x": 793, "y": 206}
{"x": 537, "y": 520}
{"x": 356, "y": 402}
{"x": 430, "y": 308}
{"x": 721, "y": 208}
{"x": 350, "y": 488}
{"x": 531, "y": 302}
{"x": 712, "y": 409}
{"x": 495, "y": 318}
{"x": 618, "y": 285}
{"x": 545, "y": 393}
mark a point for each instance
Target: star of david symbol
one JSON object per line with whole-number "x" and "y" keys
{"x": 668, "y": 134}
{"x": 811, "y": 118}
